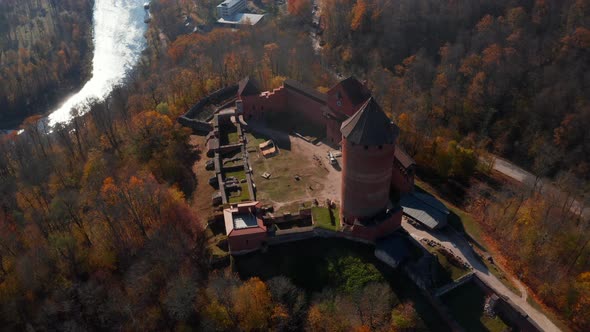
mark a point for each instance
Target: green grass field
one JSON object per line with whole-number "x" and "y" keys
{"x": 450, "y": 271}
{"x": 243, "y": 195}
{"x": 233, "y": 137}
{"x": 321, "y": 216}
{"x": 240, "y": 175}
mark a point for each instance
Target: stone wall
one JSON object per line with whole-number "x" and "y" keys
{"x": 509, "y": 310}
{"x": 195, "y": 118}
{"x": 366, "y": 179}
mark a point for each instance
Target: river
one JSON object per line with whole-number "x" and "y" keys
{"x": 118, "y": 37}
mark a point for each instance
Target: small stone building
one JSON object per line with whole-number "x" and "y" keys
{"x": 244, "y": 227}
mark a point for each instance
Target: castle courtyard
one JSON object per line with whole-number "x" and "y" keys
{"x": 299, "y": 173}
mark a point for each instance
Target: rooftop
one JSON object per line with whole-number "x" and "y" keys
{"x": 241, "y": 19}
{"x": 356, "y": 91}
{"x": 403, "y": 157}
{"x": 426, "y": 209}
{"x": 369, "y": 126}
{"x": 310, "y": 92}
{"x": 247, "y": 87}
{"x": 242, "y": 219}
{"x": 228, "y": 3}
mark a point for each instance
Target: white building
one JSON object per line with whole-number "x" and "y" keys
{"x": 230, "y": 7}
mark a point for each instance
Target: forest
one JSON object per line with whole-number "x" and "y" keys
{"x": 44, "y": 49}
{"x": 507, "y": 77}
{"x": 97, "y": 231}
{"x": 97, "y": 227}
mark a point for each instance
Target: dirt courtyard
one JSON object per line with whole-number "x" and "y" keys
{"x": 299, "y": 173}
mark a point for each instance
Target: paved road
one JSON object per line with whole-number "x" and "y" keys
{"x": 457, "y": 244}
{"x": 509, "y": 169}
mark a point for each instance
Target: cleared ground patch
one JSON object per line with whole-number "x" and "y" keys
{"x": 294, "y": 175}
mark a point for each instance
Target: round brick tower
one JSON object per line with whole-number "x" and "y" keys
{"x": 368, "y": 146}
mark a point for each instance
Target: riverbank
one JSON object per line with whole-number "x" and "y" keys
{"x": 12, "y": 116}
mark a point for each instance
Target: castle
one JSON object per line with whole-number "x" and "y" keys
{"x": 375, "y": 171}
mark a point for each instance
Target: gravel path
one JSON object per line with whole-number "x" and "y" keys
{"x": 455, "y": 243}
{"x": 512, "y": 171}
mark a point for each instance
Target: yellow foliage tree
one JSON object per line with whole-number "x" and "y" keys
{"x": 358, "y": 15}
{"x": 253, "y": 305}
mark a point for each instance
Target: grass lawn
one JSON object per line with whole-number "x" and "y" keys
{"x": 229, "y": 135}
{"x": 466, "y": 305}
{"x": 322, "y": 218}
{"x": 282, "y": 185}
{"x": 233, "y": 137}
{"x": 450, "y": 271}
{"x": 307, "y": 263}
{"x": 242, "y": 196}
{"x": 254, "y": 140}
{"x": 240, "y": 175}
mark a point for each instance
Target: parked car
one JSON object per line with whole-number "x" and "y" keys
{"x": 332, "y": 159}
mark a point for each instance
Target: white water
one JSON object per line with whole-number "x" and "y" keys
{"x": 118, "y": 42}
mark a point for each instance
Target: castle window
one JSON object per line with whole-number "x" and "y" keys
{"x": 366, "y": 147}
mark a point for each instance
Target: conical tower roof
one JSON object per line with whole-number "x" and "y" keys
{"x": 369, "y": 126}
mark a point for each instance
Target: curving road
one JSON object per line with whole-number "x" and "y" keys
{"x": 512, "y": 171}
{"x": 457, "y": 244}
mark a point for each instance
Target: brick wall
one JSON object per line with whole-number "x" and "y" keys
{"x": 366, "y": 179}
{"x": 382, "y": 229}
{"x": 401, "y": 180}
{"x": 246, "y": 242}
{"x": 269, "y": 101}
{"x": 346, "y": 106}
{"x": 301, "y": 104}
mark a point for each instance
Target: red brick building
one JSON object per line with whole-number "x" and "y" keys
{"x": 368, "y": 156}
{"x": 244, "y": 227}
{"x": 374, "y": 168}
